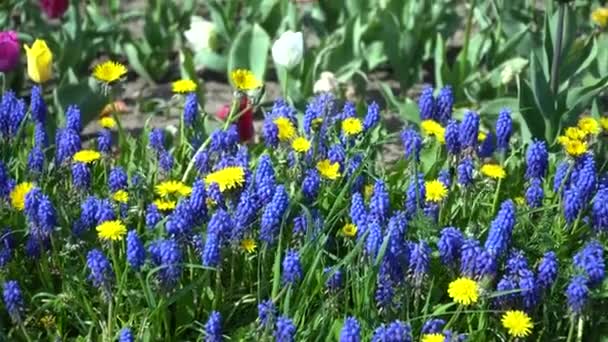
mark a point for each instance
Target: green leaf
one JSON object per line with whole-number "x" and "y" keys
{"x": 493, "y": 107}
{"x": 531, "y": 116}
{"x": 135, "y": 61}
{"x": 211, "y": 60}
{"x": 541, "y": 92}
{"x": 250, "y": 51}
{"x": 87, "y": 98}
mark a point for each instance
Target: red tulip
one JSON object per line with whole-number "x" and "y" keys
{"x": 54, "y": 8}
{"x": 9, "y": 50}
{"x": 245, "y": 122}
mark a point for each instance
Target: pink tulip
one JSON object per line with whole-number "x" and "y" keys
{"x": 54, "y": 8}
{"x": 9, "y": 50}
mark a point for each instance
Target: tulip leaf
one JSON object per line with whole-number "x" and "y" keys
{"x": 250, "y": 51}
{"x": 84, "y": 95}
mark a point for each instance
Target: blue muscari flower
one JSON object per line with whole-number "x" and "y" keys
{"x": 118, "y": 179}
{"x": 577, "y": 294}
{"x": 40, "y": 137}
{"x": 180, "y": 222}
{"x": 81, "y": 176}
{"x": 198, "y": 201}
{"x": 396, "y": 331}
{"x": 270, "y": 132}
{"x": 32, "y": 201}
{"x": 273, "y": 215}
{"x": 126, "y": 335}
{"x": 211, "y": 251}
{"x": 449, "y": 244}
{"x": 415, "y": 195}
{"x": 166, "y": 253}
{"x": 504, "y": 128}
{"x": 16, "y": 117}
{"x": 190, "y": 109}
{"x": 320, "y": 107}
{"x": 46, "y": 216}
{"x": 431, "y": 210}
{"x": 265, "y": 179}
{"x": 412, "y": 143}
{"x": 348, "y": 111}
{"x": 586, "y": 178}
{"x": 529, "y": 289}
{"x": 335, "y": 280}
{"x": 33, "y": 247}
{"x": 285, "y": 330}
{"x": 590, "y": 259}
{"x": 469, "y": 129}
{"x": 351, "y": 330}
{"x": 420, "y": 257}
{"x": 100, "y": 271}
{"x": 292, "y": 269}
{"x": 374, "y": 239}
{"x": 153, "y": 216}
{"x": 165, "y": 161}
{"x": 599, "y": 210}
{"x": 67, "y": 144}
{"x": 573, "y": 204}
{"x": 35, "y": 161}
{"x": 37, "y": 105}
{"x": 7, "y": 244}
{"x": 104, "y": 211}
{"x": 385, "y": 293}
{"x": 379, "y": 204}
{"x": 136, "y": 253}
{"x": 433, "y": 326}
{"x": 6, "y": 106}
{"x": 5, "y": 181}
{"x": 267, "y": 313}
{"x": 220, "y": 224}
{"x": 537, "y": 160}
{"x": 244, "y": 216}
{"x": 201, "y": 162}
{"x": 231, "y": 137}
{"x": 487, "y": 146}
{"x": 485, "y": 264}
{"x": 468, "y": 256}
{"x": 372, "y": 117}
{"x": 535, "y": 193}
{"x": 547, "y": 270}
{"x": 88, "y": 211}
{"x": 358, "y": 213}
{"x": 156, "y": 140}
{"x": 336, "y": 154}
{"x": 445, "y": 177}
{"x": 213, "y": 327}
{"x": 444, "y": 105}
{"x": 501, "y": 229}
{"x": 215, "y": 195}
{"x": 465, "y": 172}
{"x": 104, "y": 140}
{"x": 452, "y": 141}
{"x": 300, "y": 225}
{"x": 507, "y": 284}
{"x": 13, "y": 300}
{"x": 72, "y": 118}
{"x": 516, "y": 264}
{"x": 353, "y": 166}
{"x": 311, "y": 185}
{"x": 560, "y": 176}
{"x": 397, "y": 252}
{"x": 216, "y": 144}
{"x": 426, "y": 104}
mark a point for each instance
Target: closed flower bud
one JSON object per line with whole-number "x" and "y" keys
{"x": 9, "y": 50}
{"x": 54, "y": 8}
{"x": 39, "y": 61}
{"x": 288, "y": 50}
{"x": 201, "y": 35}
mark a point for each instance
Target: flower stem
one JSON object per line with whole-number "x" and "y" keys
{"x": 24, "y": 332}
{"x": 109, "y": 322}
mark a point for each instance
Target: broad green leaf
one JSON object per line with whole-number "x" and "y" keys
{"x": 135, "y": 61}
{"x": 530, "y": 113}
{"x": 89, "y": 100}
{"x": 541, "y": 91}
{"x": 250, "y": 50}
{"x": 211, "y": 60}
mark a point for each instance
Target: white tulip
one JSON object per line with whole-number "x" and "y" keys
{"x": 327, "y": 82}
{"x": 202, "y": 34}
{"x": 288, "y": 50}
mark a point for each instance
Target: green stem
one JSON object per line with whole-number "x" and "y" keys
{"x": 571, "y": 329}
{"x": 579, "y": 330}
{"x": 285, "y": 83}
{"x": 24, "y": 332}
{"x": 495, "y": 201}
{"x": 109, "y": 322}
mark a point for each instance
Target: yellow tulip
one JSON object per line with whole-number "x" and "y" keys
{"x": 39, "y": 61}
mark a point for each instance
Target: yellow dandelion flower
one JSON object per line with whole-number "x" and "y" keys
{"x": 481, "y": 136}
{"x": 493, "y": 171}
{"x": 183, "y": 86}
{"x": 329, "y": 170}
{"x": 368, "y": 191}
{"x": 574, "y": 133}
{"x": 244, "y": 79}
{"x": 433, "y": 128}
{"x": 352, "y": 126}
{"x": 349, "y": 230}
{"x": 519, "y": 200}
{"x": 171, "y": 187}
{"x": 285, "y": 127}
{"x": 86, "y": 156}
{"x": 109, "y": 71}
{"x": 432, "y": 338}
{"x": 600, "y": 16}
{"x": 231, "y": 177}
{"x": 604, "y": 123}
{"x": 435, "y": 191}
{"x": 111, "y": 230}
{"x": 464, "y": 291}
{"x": 121, "y": 196}
{"x": 249, "y": 245}
{"x": 164, "y": 205}
{"x": 107, "y": 122}
{"x": 573, "y": 147}
{"x": 517, "y": 323}
{"x": 18, "y": 194}
{"x": 300, "y": 144}
{"x": 589, "y": 125}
